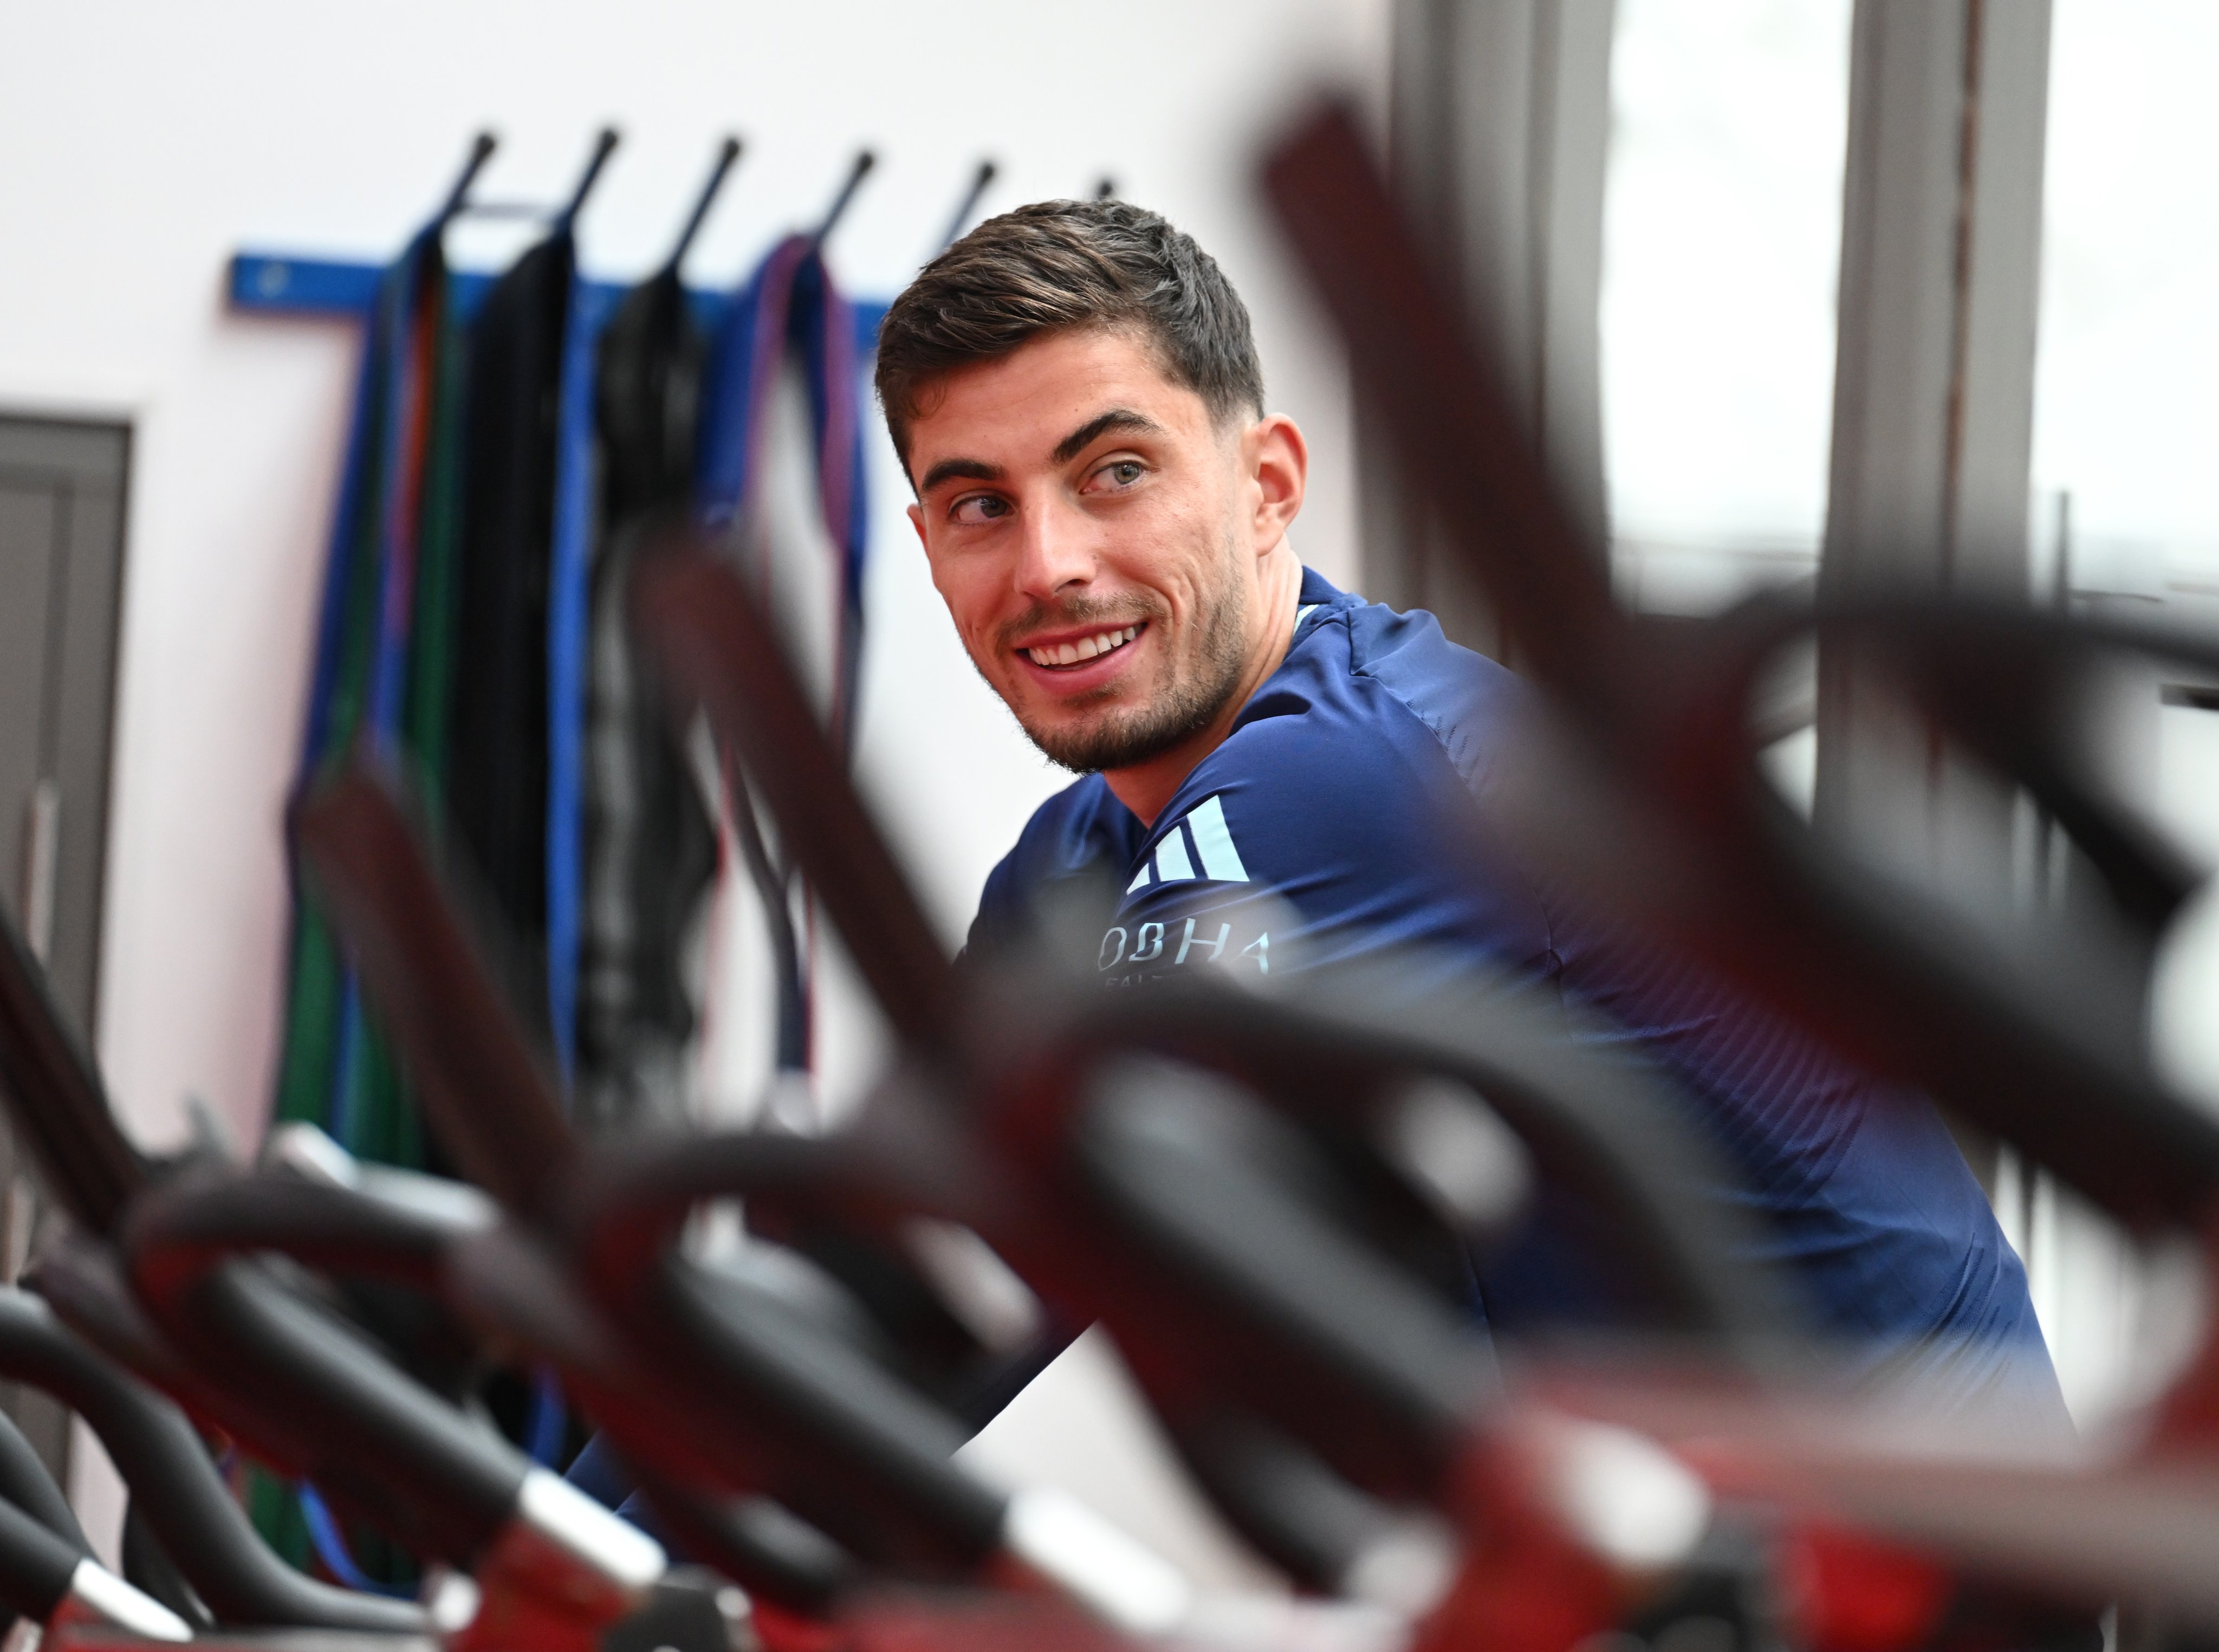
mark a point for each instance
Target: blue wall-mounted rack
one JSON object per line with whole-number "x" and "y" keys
{"x": 277, "y": 283}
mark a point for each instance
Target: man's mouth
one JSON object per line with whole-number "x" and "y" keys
{"x": 1079, "y": 650}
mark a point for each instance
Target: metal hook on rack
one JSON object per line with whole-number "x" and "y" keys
{"x": 727, "y": 153}
{"x": 864, "y": 161}
{"x": 972, "y": 196}
{"x": 603, "y": 145}
{"x": 482, "y": 148}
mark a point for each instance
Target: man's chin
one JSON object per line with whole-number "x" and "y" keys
{"x": 1091, "y": 745}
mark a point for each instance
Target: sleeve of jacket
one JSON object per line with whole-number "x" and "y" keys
{"x": 1287, "y": 851}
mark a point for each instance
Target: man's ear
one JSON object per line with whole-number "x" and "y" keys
{"x": 1279, "y": 464}
{"x": 916, "y": 521}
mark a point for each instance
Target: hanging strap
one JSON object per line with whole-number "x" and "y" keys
{"x": 791, "y": 305}
{"x": 361, "y": 651}
{"x": 363, "y": 1087}
{"x": 791, "y": 308}
{"x": 569, "y": 602}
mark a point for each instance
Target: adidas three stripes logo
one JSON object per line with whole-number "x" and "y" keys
{"x": 1212, "y": 851}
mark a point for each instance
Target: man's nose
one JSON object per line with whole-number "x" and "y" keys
{"x": 1055, "y": 553}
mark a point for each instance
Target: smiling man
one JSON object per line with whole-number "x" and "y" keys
{"x": 1269, "y": 765}
{"x": 1126, "y": 589}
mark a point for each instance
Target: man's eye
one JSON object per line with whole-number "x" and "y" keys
{"x": 976, "y": 508}
{"x": 1120, "y": 473}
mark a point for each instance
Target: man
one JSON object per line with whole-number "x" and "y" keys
{"x": 1266, "y": 761}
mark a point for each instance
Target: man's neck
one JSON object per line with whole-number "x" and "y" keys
{"x": 1145, "y": 788}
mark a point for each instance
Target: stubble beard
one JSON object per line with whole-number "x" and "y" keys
{"x": 1120, "y": 737}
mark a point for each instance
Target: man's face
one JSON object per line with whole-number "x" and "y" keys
{"x": 1085, "y": 520}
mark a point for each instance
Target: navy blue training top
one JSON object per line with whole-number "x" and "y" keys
{"x": 1315, "y": 835}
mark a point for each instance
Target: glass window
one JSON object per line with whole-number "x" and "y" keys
{"x": 1721, "y": 253}
{"x": 2127, "y": 383}
{"x": 2126, "y": 411}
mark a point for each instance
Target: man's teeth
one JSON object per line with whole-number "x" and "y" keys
{"x": 1070, "y": 654}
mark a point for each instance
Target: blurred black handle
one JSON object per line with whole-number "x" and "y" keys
{"x": 492, "y": 1104}
{"x": 25, "y": 1482}
{"x": 713, "y": 648}
{"x": 787, "y": 1408}
{"x": 1423, "y": 372}
{"x": 181, "y": 1232}
{"x": 36, "y": 1566}
{"x": 54, "y": 1096}
{"x": 175, "y": 1486}
{"x": 1218, "y": 1216}
{"x": 437, "y": 1481}
{"x": 875, "y": 1459}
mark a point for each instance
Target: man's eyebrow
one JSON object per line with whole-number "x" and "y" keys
{"x": 947, "y": 469}
{"x": 1117, "y": 419}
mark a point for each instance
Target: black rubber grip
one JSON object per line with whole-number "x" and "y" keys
{"x": 176, "y": 1488}
{"x": 1184, "y": 1160}
{"x": 54, "y": 1096}
{"x": 760, "y": 1545}
{"x": 377, "y": 1440}
{"x": 838, "y": 1437}
{"x": 25, "y": 1482}
{"x": 36, "y": 1566}
{"x": 1282, "y": 1498}
{"x": 147, "y": 1568}
{"x": 864, "y": 1455}
{"x": 185, "y": 1228}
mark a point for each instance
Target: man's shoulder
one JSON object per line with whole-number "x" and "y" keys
{"x": 1348, "y": 789}
{"x": 1466, "y": 701}
{"x": 1369, "y": 704}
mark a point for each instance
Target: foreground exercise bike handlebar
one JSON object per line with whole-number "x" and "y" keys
{"x": 773, "y": 1404}
{"x": 286, "y": 1376}
{"x": 175, "y": 1488}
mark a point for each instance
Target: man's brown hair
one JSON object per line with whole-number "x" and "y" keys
{"x": 1060, "y": 264}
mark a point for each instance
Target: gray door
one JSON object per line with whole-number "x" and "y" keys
{"x": 61, "y": 557}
